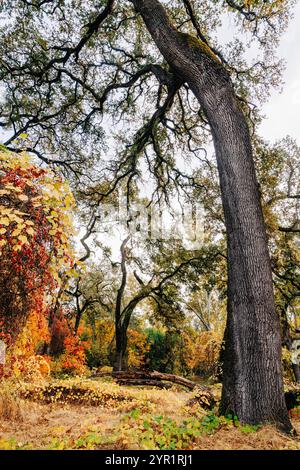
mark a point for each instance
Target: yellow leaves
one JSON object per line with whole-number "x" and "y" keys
{"x": 11, "y": 188}
{"x": 9, "y": 444}
{"x": 16, "y": 232}
{"x": 3, "y": 243}
{"x": 78, "y": 390}
{"x": 58, "y": 186}
{"x": 23, "y": 197}
{"x": 57, "y": 444}
{"x": 286, "y": 355}
{"x": 10, "y": 216}
{"x": 30, "y": 231}
{"x": 3, "y": 192}
{"x": 22, "y": 239}
{"x": 4, "y": 221}
{"x": 2, "y": 231}
{"x": 15, "y": 218}
{"x": 73, "y": 273}
{"x": 17, "y": 248}
{"x": 4, "y": 210}
{"x": 69, "y": 201}
{"x": 36, "y": 201}
{"x": 19, "y": 232}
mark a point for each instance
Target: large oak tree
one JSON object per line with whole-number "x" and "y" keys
{"x": 156, "y": 72}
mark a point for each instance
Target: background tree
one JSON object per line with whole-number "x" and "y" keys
{"x": 156, "y": 273}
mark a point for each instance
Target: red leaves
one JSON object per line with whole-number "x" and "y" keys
{"x": 73, "y": 359}
{"x": 33, "y": 246}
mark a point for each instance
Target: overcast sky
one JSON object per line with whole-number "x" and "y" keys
{"x": 282, "y": 109}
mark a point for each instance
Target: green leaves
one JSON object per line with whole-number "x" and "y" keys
{"x": 162, "y": 432}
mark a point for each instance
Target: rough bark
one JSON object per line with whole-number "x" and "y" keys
{"x": 79, "y": 313}
{"x": 252, "y": 375}
{"x": 121, "y": 346}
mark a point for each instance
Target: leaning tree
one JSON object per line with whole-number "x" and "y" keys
{"x": 157, "y": 73}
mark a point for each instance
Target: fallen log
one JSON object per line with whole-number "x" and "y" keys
{"x": 156, "y": 376}
{"x": 203, "y": 396}
{"x": 176, "y": 379}
{"x": 144, "y": 382}
{"x": 130, "y": 374}
{"x": 100, "y": 374}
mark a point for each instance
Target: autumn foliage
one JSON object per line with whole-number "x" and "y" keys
{"x": 35, "y": 248}
{"x": 68, "y": 350}
{"x": 201, "y": 351}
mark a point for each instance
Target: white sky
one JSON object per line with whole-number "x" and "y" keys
{"x": 282, "y": 110}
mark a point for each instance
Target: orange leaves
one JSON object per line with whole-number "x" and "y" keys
{"x": 68, "y": 348}
{"x": 137, "y": 348}
{"x": 34, "y": 247}
{"x": 201, "y": 349}
{"x": 74, "y": 360}
{"x": 32, "y": 335}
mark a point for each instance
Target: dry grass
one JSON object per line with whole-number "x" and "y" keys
{"x": 10, "y": 403}
{"x": 266, "y": 438}
{"x": 59, "y": 424}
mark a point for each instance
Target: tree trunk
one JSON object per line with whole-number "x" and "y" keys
{"x": 77, "y": 321}
{"x": 252, "y": 371}
{"x": 120, "y": 363}
{"x": 120, "y": 327}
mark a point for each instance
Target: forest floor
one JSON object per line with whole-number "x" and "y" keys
{"x": 98, "y": 414}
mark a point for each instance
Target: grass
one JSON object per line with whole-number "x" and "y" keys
{"x": 90, "y": 414}
{"x": 10, "y": 403}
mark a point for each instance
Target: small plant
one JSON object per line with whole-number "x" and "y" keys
{"x": 13, "y": 444}
{"x": 90, "y": 440}
{"x": 249, "y": 428}
{"x": 245, "y": 428}
{"x": 210, "y": 422}
{"x": 161, "y": 432}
